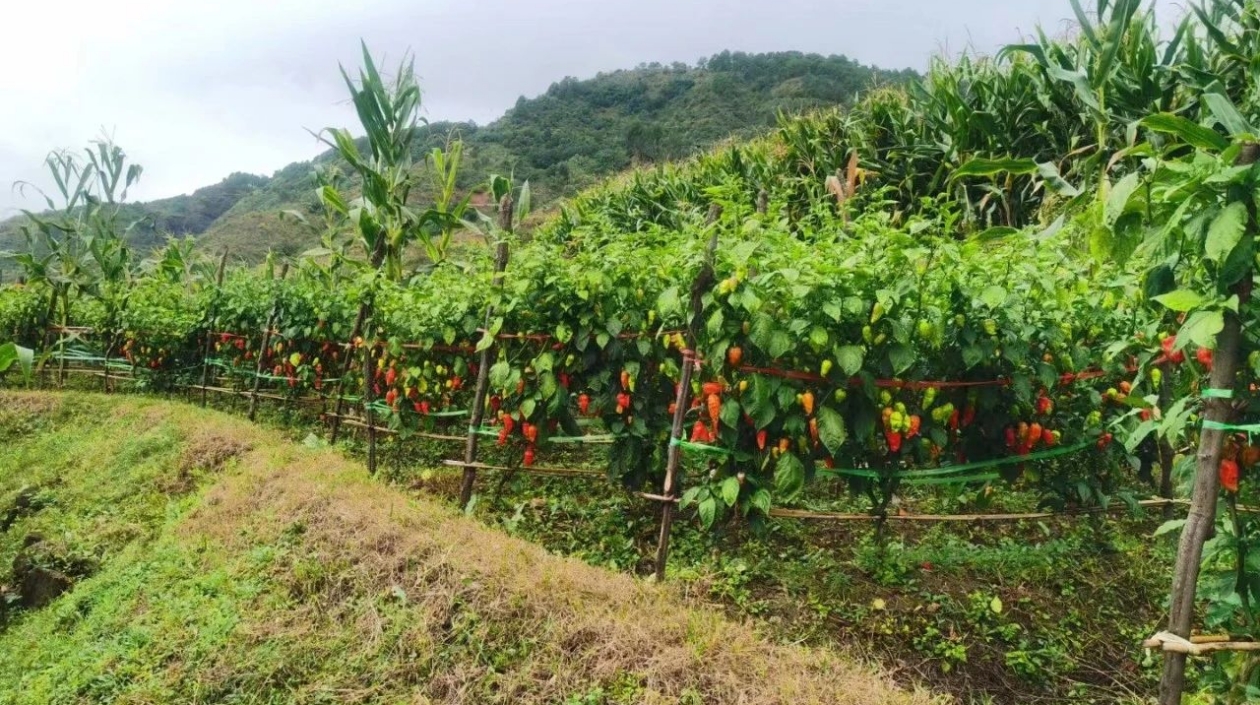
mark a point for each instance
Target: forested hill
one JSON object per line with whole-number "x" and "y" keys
{"x": 575, "y": 133}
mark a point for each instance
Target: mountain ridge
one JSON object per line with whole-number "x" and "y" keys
{"x": 569, "y": 137}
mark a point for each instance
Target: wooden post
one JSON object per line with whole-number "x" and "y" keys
{"x": 266, "y": 344}
{"x": 702, "y": 284}
{"x": 483, "y": 368}
{"x": 1202, "y": 517}
{"x": 214, "y": 305}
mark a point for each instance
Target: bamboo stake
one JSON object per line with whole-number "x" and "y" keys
{"x": 266, "y": 343}
{"x": 483, "y": 369}
{"x": 1170, "y": 643}
{"x": 703, "y": 282}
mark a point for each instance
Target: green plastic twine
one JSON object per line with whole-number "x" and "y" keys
{"x": 947, "y": 474}
{"x": 1210, "y": 393}
{"x": 1249, "y": 428}
{"x": 698, "y": 447}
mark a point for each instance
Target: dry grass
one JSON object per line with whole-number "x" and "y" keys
{"x": 21, "y": 403}
{"x": 490, "y": 618}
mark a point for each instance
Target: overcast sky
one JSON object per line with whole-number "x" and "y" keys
{"x": 195, "y": 89}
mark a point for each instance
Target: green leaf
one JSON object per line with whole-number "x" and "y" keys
{"x": 1169, "y": 526}
{"x": 730, "y": 491}
{"x": 901, "y": 357}
{"x": 1225, "y": 113}
{"x": 996, "y": 605}
{"x": 1192, "y": 133}
{"x": 668, "y": 302}
{"x": 831, "y": 429}
{"x": 993, "y": 167}
{"x": 780, "y": 344}
{"x": 761, "y": 501}
{"x": 499, "y": 373}
{"x": 1055, "y": 182}
{"x": 714, "y": 325}
{"x": 708, "y": 511}
{"x": 1201, "y": 329}
{"x": 789, "y": 477}
{"x": 527, "y": 407}
{"x": 1180, "y": 300}
{"x": 849, "y": 358}
{"x": 972, "y": 355}
{"x": 993, "y": 296}
{"x": 1119, "y": 197}
{"x": 1225, "y": 232}
{"x": 818, "y": 337}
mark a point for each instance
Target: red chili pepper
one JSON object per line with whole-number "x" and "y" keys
{"x": 1204, "y": 356}
{"x": 699, "y": 434}
{"x": 1044, "y": 405}
{"x": 761, "y": 439}
{"x": 584, "y": 404}
{"x": 1229, "y": 475}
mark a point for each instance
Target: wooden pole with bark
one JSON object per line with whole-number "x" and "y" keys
{"x": 483, "y": 368}
{"x": 1202, "y": 517}
{"x": 702, "y": 284}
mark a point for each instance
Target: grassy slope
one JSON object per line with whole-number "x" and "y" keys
{"x": 231, "y": 566}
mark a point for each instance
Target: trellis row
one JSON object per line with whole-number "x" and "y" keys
{"x": 668, "y": 498}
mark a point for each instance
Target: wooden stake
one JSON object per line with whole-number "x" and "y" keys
{"x": 266, "y": 344}
{"x": 483, "y": 369}
{"x": 703, "y": 283}
{"x": 1202, "y": 517}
